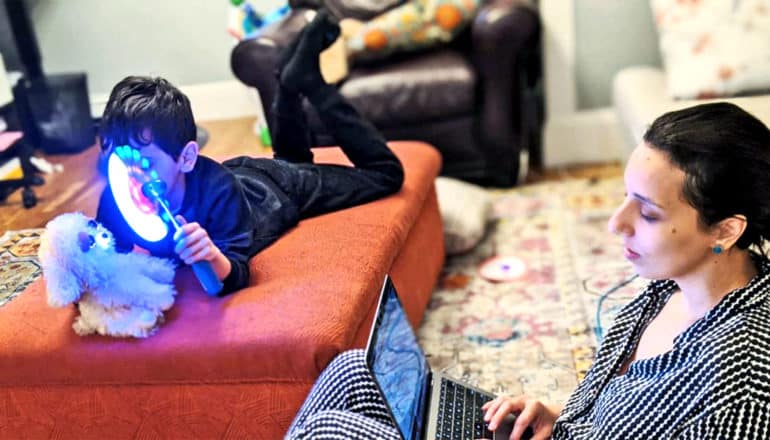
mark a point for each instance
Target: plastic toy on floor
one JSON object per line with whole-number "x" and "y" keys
{"x": 244, "y": 21}
{"x": 116, "y": 294}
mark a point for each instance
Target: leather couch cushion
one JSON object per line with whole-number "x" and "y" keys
{"x": 431, "y": 85}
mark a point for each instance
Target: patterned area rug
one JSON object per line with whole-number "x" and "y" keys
{"x": 534, "y": 334}
{"x": 18, "y": 262}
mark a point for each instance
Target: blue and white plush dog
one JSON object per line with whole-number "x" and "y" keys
{"x": 117, "y": 294}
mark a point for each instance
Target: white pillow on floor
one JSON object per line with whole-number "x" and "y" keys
{"x": 465, "y": 209}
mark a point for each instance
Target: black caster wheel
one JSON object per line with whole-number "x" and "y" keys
{"x": 28, "y": 198}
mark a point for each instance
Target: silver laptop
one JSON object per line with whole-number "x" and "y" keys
{"x": 423, "y": 404}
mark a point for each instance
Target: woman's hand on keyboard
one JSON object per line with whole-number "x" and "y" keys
{"x": 529, "y": 412}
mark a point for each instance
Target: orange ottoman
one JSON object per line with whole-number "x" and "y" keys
{"x": 236, "y": 367}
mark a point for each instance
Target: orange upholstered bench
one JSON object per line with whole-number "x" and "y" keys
{"x": 235, "y": 367}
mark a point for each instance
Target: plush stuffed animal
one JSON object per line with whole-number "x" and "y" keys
{"x": 117, "y": 294}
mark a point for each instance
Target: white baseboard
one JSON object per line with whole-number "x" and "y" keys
{"x": 583, "y": 137}
{"x": 210, "y": 101}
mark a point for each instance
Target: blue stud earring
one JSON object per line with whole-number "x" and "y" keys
{"x": 717, "y": 249}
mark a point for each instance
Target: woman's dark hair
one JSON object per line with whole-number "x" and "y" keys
{"x": 137, "y": 103}
{"x": 725, "y": 154}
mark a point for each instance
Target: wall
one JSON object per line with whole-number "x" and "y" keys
{"x": 184, "y": 41}
{"x": 585, "y": 43}
{"x": 610, "y": 35}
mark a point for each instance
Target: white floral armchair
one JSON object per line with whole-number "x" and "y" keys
{"x": 711, "y": 50}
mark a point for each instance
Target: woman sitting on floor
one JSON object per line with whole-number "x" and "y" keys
{"x": 689, "y": 357}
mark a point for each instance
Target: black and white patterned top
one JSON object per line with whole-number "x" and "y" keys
{"x": 713, "y": 384}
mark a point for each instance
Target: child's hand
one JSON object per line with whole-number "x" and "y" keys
{"x": 192, "y": 243}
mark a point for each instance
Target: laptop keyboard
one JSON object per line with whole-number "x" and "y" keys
{"x": 459, "y": 413}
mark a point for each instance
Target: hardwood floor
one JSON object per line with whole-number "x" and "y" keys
{"x": 585, "y": 171}
{"x": 78, "y": 186}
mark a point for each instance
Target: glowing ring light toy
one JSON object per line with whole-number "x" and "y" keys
{"x": 126, "y": 183}
{"x": 139, "y": 195}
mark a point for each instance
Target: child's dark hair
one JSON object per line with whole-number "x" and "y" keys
{"x": 137, "y": 103}
{"x": 725, "y": 154}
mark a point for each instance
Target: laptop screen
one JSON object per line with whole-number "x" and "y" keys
{"x": 398, "y": 364}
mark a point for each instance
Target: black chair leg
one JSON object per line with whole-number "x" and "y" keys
{"x": 29, "y": 178}
{"x": 28, "y": 197}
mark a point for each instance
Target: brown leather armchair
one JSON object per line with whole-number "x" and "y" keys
{"x": 477, "y": 99}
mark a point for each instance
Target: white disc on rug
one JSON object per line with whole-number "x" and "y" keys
{"x": 502, "y": 268}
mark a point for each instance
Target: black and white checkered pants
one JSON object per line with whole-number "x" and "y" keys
{"x": 344, "y": 404}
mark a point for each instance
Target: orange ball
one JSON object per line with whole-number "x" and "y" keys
{"x": 375, "y": 39}
{"x": 448, "y": 16}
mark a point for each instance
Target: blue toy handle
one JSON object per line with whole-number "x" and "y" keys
{"x": 154, "y": 190}
{"x": 208, "y": 279}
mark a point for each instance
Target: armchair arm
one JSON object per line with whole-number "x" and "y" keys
{"x": 253, "y": 61}
{"x": 506, "y": 38}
